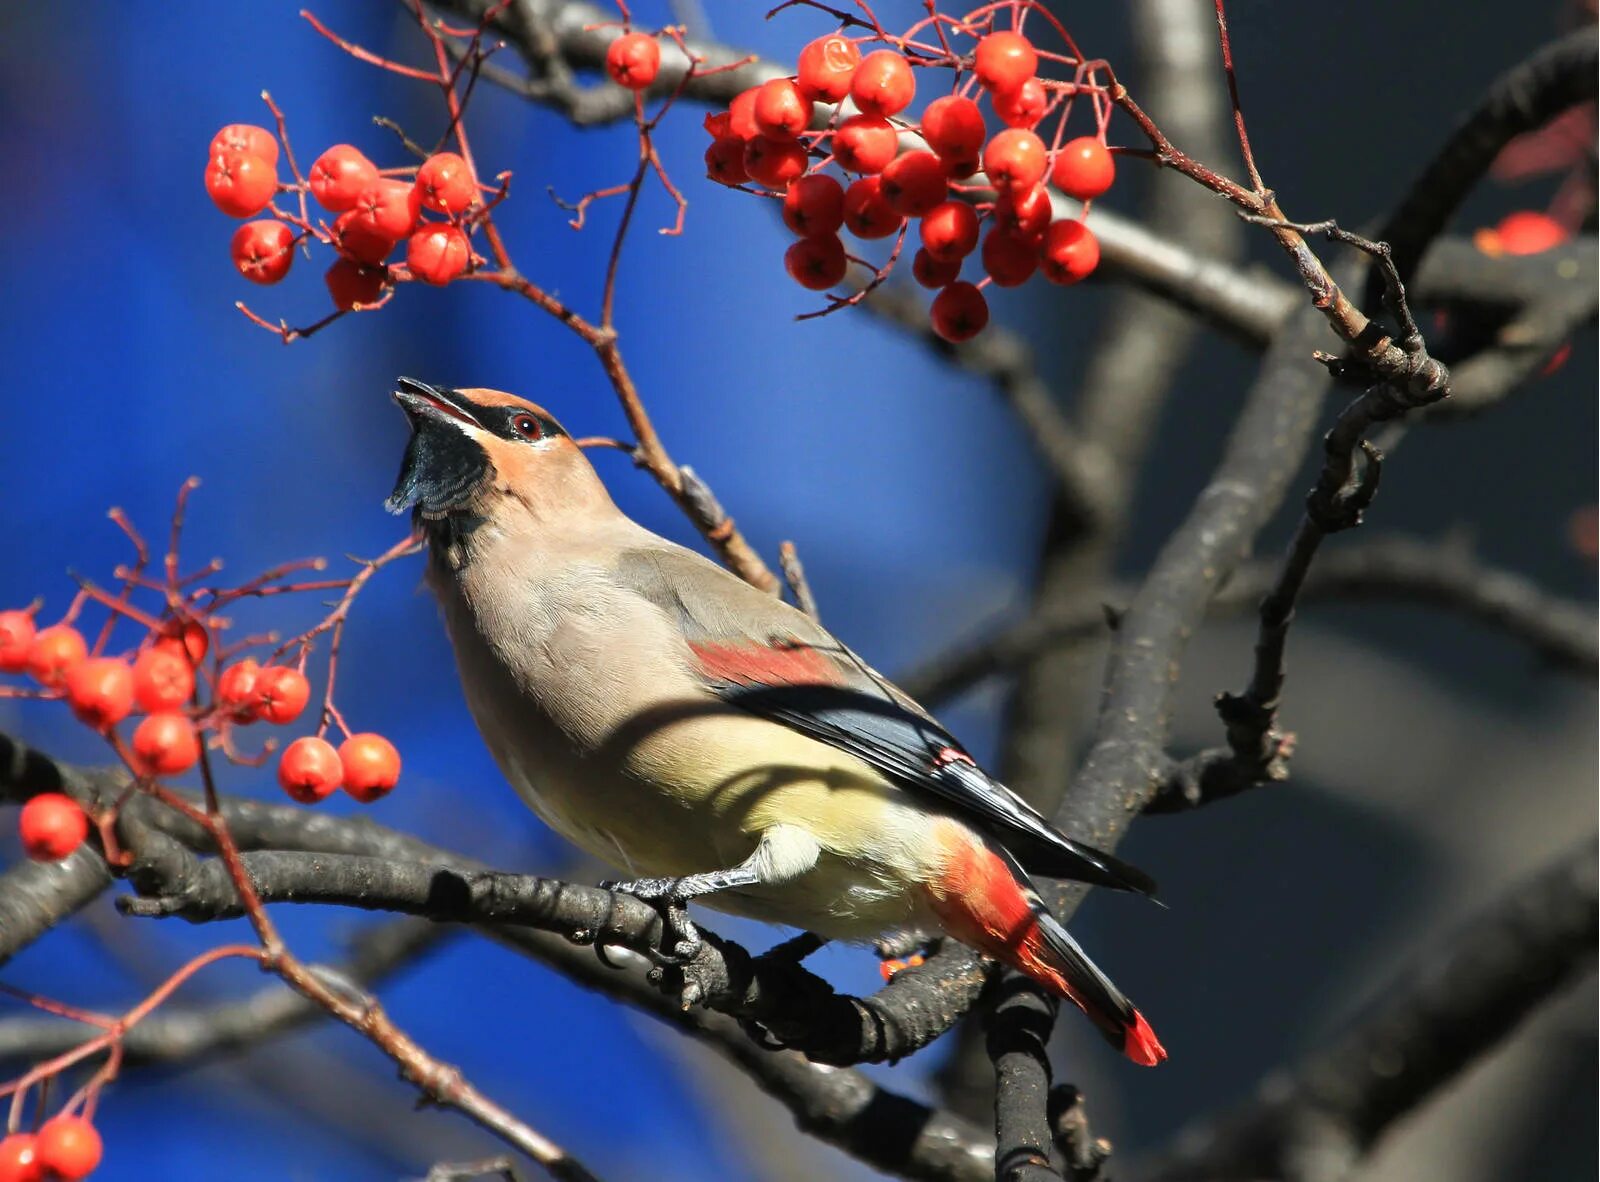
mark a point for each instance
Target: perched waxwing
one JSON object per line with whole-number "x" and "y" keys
{"x": 707, "y": 738}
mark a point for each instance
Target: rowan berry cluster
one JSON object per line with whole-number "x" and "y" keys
{"x": 374, "y": 210}
{"x": 899, "y": 168}
{"x": 189, "y": 690}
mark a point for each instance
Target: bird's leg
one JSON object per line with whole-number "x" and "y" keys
{"x": 783, "y": 853}
{"x": 671, "y": 897}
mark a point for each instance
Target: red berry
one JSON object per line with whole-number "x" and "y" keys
{"x": 775, "y": 162}
{"x": 51, "y": 826}
{"x": 186, "y": 639}
{"x": 816, "y": 263}
{"x": 883, "y": 83}
{"x": 54, "y": 651}
{"x": 388, "y": 208}
{"x": 444, "y": 184}
{"x": 16, "y": 1159}
{"x": 867, "y": 213}
{"x": 814, "y": 206}
{"x": 1015, "y": 159}
{"x": 1004, "y": 61}
{"x": 1028, "y": 216}
{"x": 262, "y": 251}
{"x": 934, "y": 273}
{"x": 68, "y": 1148}
{"x": 309, "y": 769}
{"x": 1071, "y": 252}
{"x": 162, "y": 680}
{"x": 101, "y": 691}
{"x": 1084, "y": 168}
{"x": 1022, "y": 107}
{"x": 371, "y": 766}
{"x": 437, "y": 253}
{"x": 633, "y": 60}
{"x": 165, "y": 744}
{"x": 953, "y": 127}
{"x": 716, "y": 124}
{"x": 959, "y": 312}
{"x": 781, "y": 110}
{"x": 236, "y": 689}
{"x": 914, "y": 183}
{"x": 725, "y": 160}
{"x": 826, "y": 67}
{"x": 865, "y": 143}
{"x": 339, "y": 176}
{"x": 16, "y": 638}
{"x": 241, "y": 183}
{"x": 950, "y": 231}
{"x": 246, "y": 137}
{"x": 357, "y": 240}
{"x": 353, "y": 286}
{"x": 281, "y": 693}
{"x": 1008, "y": 258}
{"x": 1528, "y": 232}
{"x": 742, "y": 114}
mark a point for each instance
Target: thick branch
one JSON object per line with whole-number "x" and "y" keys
{"x": 1453, "y": 1005}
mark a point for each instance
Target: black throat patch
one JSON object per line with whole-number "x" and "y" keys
{"x": 443, "y": 468}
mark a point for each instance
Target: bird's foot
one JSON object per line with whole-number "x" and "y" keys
{"x": 680, "y": 939}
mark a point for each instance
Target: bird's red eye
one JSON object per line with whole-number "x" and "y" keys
{"x": 526, "y": 426}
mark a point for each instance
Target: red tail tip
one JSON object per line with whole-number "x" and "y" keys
{"x": 1140, "y": 1043}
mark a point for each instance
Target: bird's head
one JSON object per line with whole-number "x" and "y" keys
{"x": 487, "y": 454}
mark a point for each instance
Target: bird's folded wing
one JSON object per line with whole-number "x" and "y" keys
{"x": 758, "y": 653}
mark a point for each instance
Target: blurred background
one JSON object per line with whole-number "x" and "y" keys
{"x": 1438, "y": 762}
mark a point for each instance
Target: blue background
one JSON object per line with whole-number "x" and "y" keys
{"x": 915, "y": 499}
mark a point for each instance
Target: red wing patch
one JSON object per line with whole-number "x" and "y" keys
{"x": 760, "y": 664}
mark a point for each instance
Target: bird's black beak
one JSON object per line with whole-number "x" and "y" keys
{"x": 444, "y": 465}
{"x": 421, "y": 401}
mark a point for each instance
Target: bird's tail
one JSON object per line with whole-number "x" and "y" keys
{"x": 985, "y": 900}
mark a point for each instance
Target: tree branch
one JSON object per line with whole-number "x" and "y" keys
{"x": 1449, "y": 1008}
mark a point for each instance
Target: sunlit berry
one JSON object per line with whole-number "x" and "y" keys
{"x": 813, "y": 207}
{"x": 826, "y": 66}
{"x": 742, "y": 114}
{"x": 241, "y": 184}
{"x": 309, "y": 769}
{"x": 1026, "y": 214}
{"x": 781, "y": 110}
{"x": 883, "y": 83}
{"x": 51, "y": 826}
{"x": 774, "y": 162}
{"x": 1530, "y": 232}
{"x": 950, "y": 231}
{"x": 16, "y": 638}
{"x": 17, "y": 1163}
{"x": 953, "y": 127}
{"x": 437, "y": 253}
{"x": 915, "y": 182}
{"x": 1015, "y": 159}
{"x": 338, "y": 177}
{"x": 370, "y": 766}
{"x": 262, "y": 251}
{"x": 633, "y": 60}
{"x": 444, "y": 183}
{"x": 725, "y": 161}
{"x": 281, "y": 693}
{"x": 100, "y": 691}
{"x": 358, "y": 241}
{"x": 867, "y": 213}
{"x": 55, "y": 650}
{"x": 165, "y": 744}
{"x": 1005, "y": 60}
{"x": 1084, "y": 168}
{"x": 68, "y": 1148}
{"x": 246, "y": 137}
{"x": 1071, "y": 252}
{"x": 388, "y": 208}
{"x": 865, "y": 143}
{"x": 236, "y": 689}
{"x": 162, "y": 680}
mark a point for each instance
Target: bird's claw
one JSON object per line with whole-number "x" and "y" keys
{"x": 680, "y": 939}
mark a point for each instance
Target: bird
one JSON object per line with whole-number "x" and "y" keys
{"x": 706, "y": 737}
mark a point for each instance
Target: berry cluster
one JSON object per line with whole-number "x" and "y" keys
{"x": 899, "y": 169}
{"x": 375, "y": 210}
{"x": 65, "y": 1148}
{"x": 187, "y": 691}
